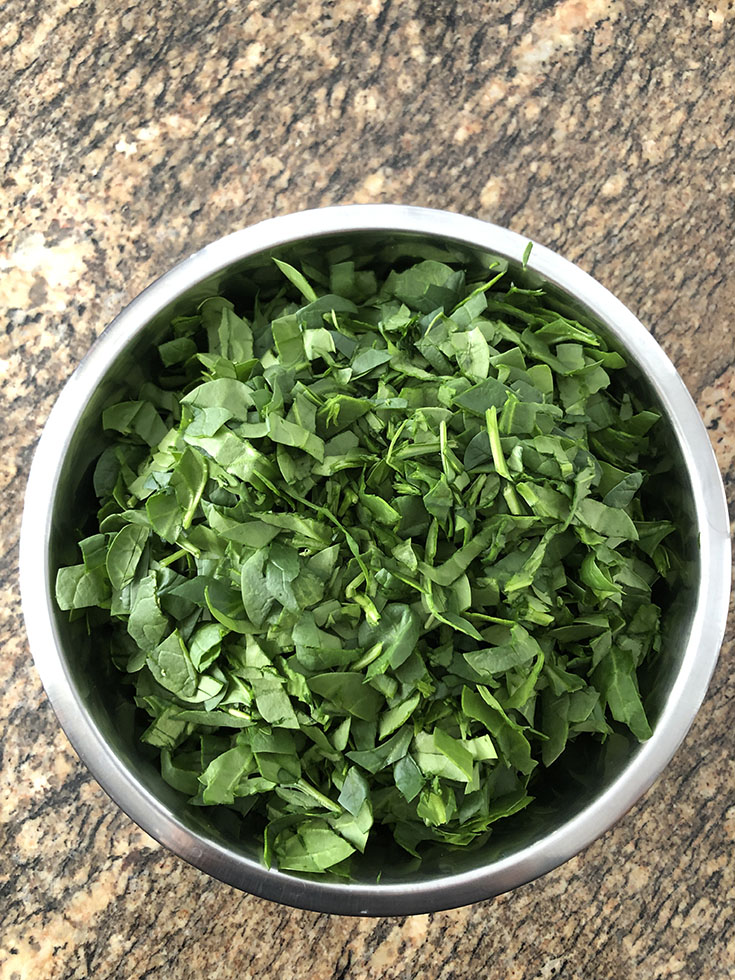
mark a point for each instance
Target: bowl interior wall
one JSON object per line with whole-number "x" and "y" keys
{"x": 585, "y": 772}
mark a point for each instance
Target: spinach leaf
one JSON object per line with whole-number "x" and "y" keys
{"x": 124, "y": 553}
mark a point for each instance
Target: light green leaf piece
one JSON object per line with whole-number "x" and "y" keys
{"x": 77, "y": 588}
{"x": 298, "y": 280}
{"x": 171, "y": 665}
{"x": 146, "y": 623}
{"x": 124, "y": 554}
{"x": 615, "y": 679}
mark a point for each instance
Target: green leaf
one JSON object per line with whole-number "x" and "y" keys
{"x": 490, "y": 393}
{"x": 171, "y": 665}
{"x": 313, "y": 848}
{"x": 165, "y": 515}
{"x": 355, "y": 829}
{"x": 221, "y": 777}
{"x": 380, "y": 509}
{"x": 184, "y": 780}
{"x": 610, "y": 521}
{"x": 76, "y": 588}
{"x": 436, "y": 806}
{"x": 439, "y": 500}
{"x": 397, "y": 630}
{"x": 514, "y": 648}
{"x": 555, "y": 724}
{"x": 614, "y": 677}
{"x": 188, "y": 481}
{"x": 392, "y": 750}
{"x": 298, "y": 279}
{"x": 423, "y": 284}
{"x": 273, "y": 703}
{"x": 230, "y": 619}
{"x": 509, "y": 736}
{"x": 124, "y": 554}
{"x": 177, "y": 351}
{"x": 354, "y": 792}
{"x": 366, "y": 360}
{"x": 408, "y": 777}
{"x": 347, "y": 691}
{"x": 256, "y": 596}
{"x": 623, "y": 492}
{"x": 205, "y": 645}
{"x": 396, "y": 717}
{"x": 146, "y": 623}
{"x": 289, "y": 434}
{"x": 228, "y": 334}
{"x": 455, "y": 751}
{"x": 137, "y": 418}
{"x": 225, "y": 394}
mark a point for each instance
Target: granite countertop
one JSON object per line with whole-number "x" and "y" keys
{"x": 132, "y": 134}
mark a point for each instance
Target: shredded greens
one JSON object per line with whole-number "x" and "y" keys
{"x": 372, "y": 551}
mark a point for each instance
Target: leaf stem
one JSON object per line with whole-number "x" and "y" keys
{"x": 493, "y": 433}
{"x": 174, "y": 557}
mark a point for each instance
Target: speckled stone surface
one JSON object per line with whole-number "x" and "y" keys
{"x": 130, "y": 135}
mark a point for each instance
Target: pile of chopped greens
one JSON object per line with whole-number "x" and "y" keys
{"x": 372, "y": 552}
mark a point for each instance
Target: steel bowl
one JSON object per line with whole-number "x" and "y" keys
{"x": 584, "y": 804}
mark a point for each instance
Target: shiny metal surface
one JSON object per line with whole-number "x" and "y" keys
{"x": 581, "y": 811}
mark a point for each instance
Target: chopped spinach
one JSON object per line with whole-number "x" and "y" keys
{"x": 373, "y": 550}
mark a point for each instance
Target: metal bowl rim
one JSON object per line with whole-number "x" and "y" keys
{"x": 537, "y": 858}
